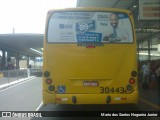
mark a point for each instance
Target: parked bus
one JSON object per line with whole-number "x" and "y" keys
{"x": 90, "y": 57}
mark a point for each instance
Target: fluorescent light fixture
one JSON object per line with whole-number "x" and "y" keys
{"x": 36, "y": 51}
{"x": 134, "y": 6}
{"x": 154, "y": 30}
{"x": 158, "y": 55}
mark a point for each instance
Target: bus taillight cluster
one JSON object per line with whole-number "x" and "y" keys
{"x": 132, "y": 81}
{"x": 133, "y": 74}
{"x": 49, "y": 81}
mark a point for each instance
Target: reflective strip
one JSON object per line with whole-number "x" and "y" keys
{"x": 61, "y": 99}
{"x": 117, "y": 98}
{"x": 64, "y": 99}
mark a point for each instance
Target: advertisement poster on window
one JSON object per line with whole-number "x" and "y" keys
{"x": 90, "y": 27}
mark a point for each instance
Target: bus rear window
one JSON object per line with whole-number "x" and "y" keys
{"x": 97, "y": 27}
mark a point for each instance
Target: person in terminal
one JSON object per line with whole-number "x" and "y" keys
{"x": 146, "y": 72}
{"x": 10, "y": 66}
{"x": 116, "y": 33}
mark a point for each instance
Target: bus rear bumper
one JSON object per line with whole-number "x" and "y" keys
{"x": 131, "y": 98}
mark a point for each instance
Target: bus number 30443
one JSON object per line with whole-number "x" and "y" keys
{"x": 112, "y": 90}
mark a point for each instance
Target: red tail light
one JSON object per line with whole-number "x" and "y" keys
{"x": 48, "y": 80}
{"x": 131, "y": 80}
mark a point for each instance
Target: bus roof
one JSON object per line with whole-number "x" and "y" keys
{"x": 91, "y": 9}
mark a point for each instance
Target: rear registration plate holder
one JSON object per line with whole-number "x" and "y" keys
{"x": 90, "y": 83}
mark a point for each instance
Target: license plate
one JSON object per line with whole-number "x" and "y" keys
{"x": 90, "y": 83}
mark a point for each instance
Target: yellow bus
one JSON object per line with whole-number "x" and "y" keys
{"x": 90, "y": 57}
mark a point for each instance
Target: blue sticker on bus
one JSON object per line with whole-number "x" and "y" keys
{"x": 122, "y": 16}
{"x": 85, "y": 26}
{"x": 89, "y": 37}
{"x": 61, "y": 89}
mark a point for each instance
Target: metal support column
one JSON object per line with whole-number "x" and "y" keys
{"x": 28, "y": 58}
{"x": 3, "y": 60}
{"x": 17, "y": 61}
{"x": 149, "y": 50}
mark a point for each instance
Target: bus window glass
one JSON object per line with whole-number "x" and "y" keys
{"x": 99, "y": 27}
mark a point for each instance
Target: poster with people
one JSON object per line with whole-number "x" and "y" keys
{"x": 95, "y": 27}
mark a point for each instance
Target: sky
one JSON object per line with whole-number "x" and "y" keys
{"x": 28, "y": 16}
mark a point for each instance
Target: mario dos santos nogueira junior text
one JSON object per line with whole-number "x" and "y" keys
{"x": 129, "y": 114}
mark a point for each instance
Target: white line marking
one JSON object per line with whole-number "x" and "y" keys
{"x": 39, "y": 106}
{"x": 17, "y": 84}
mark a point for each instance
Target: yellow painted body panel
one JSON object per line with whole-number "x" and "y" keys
{"x": 48, "y": 98}
{"x": 70, "y": 65}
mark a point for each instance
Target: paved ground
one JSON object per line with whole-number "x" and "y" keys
{"x": 22, "y": 97}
